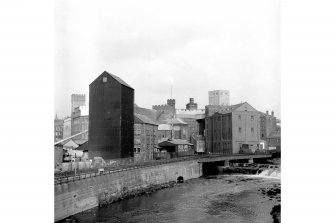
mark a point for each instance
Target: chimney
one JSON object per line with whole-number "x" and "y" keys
{"x": 191, "y": 100}
{"x": 272, "y": 114}
{"x": 267, "y": 112}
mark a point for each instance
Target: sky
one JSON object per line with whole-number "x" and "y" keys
{"x": 190, "y": 46}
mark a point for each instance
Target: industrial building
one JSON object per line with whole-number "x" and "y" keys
{"x": 111, "y": 117}
{"x": 233, "y": 130}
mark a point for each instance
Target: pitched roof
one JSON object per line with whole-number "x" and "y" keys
{"x": 232, "y": 108}
{"x": 173, "y": 142}
{"x": 80, "y": 141}
{"x": 176, "y": 121}
{"x": 142, "y": 119}
{"x": 68, "y": 143}
{"x": 150, "y": 113}
{"x": 118, "y": 79}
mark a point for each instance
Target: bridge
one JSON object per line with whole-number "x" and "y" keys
{"x": 220, "y": 157}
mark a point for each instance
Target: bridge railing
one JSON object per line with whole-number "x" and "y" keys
{"x": 84, "y": 174}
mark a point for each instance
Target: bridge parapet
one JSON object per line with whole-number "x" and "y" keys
{"x": 216, "y": 158}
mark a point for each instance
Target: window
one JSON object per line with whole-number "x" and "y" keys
{"x": 240, "y": 130}
{"x": 239, "y": 117}
{"x": 252, "y": 130}
{"x": 252, "y": 117}
{"x": 104, "y": 79}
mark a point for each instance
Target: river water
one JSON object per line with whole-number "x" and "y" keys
{"x": 226, "y": 198}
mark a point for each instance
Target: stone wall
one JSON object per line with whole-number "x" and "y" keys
{"x": 78, "y": 196}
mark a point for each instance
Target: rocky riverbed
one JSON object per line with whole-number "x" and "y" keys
{"x": 220, "y": 198}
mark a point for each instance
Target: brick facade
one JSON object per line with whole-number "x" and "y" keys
{"x": 58, "y": 129}
{"x": 145, "y": 141}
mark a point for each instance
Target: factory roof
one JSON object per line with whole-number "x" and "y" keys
{"x": 143, "y": 119}
{"x": 118, "y": 79}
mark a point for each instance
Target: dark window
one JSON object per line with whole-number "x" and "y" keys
{"x": 240, "y": 130}
{"x": 252, "y": 130}
{"x": 239, "y": 117}
{"x": 252, "y": 117}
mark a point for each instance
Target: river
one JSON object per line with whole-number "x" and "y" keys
{"x": 224, "y": 198}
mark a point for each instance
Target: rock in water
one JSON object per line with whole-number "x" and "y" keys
{"x": 275, "y": 212}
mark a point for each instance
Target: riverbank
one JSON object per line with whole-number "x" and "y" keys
{"x": 105, "y": 199}
{"x": 222, "y": 198}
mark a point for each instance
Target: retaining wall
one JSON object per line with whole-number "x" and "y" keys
{"x": 78, "y": 196}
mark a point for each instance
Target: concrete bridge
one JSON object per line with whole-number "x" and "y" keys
{"x": 227, "y": 158}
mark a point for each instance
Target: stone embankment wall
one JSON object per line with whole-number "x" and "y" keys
{"x": 78, "y": 196}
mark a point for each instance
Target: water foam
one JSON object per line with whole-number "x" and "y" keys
{"x": 270, "y": 173}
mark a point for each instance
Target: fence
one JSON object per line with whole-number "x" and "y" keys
{"x": 111, "y": 168}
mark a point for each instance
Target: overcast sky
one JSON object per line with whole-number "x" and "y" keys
{"x": 193, "y": 46}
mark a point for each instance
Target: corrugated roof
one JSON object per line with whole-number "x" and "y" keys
{"x": 140, "y": 119}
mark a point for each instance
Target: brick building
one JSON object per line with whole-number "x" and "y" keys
{"x": 268, "y": 124}
{"x": 67, "y": 127}
{"x": 274, "y": 141}
{"x": 80, "y": 121}
{"x": 234, "y": 130}
{"x": 145, "y": 138}
{"x": 58, "y": 129}
{"x": 111, "y": 117}
{"x": 218, "y": 97}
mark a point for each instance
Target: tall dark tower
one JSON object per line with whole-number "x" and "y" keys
{"x": 111, "y": 117}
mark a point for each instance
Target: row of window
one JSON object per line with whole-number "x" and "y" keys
{"x": 59, "y": 128}
{"x": 240, "y": 130}
{"x": 251, "y": 117}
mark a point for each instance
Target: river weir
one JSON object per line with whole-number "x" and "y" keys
{"x": 225, "y": 197}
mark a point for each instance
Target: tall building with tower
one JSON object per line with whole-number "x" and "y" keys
{"x": 166, "y": 111}
{"x": 77, "y": 100}
{"x": 111, "y": 117}
{"x": 218, "y": 97}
